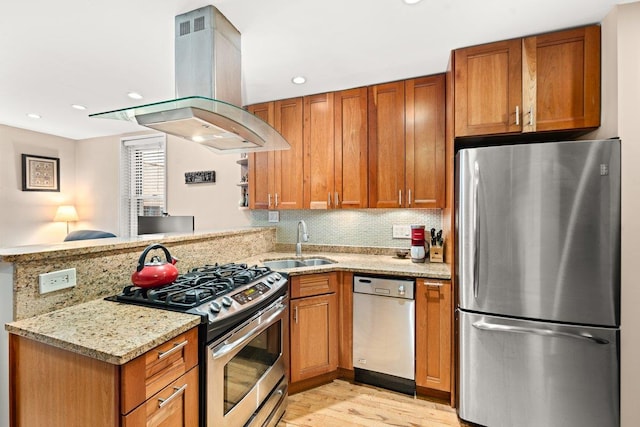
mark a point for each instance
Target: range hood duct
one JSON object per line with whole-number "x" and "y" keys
{"x": 208, "y": 91}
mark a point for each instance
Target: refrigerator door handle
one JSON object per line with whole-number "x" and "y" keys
{"x": 537, "y": 331}
{"x": 476, "y": 231}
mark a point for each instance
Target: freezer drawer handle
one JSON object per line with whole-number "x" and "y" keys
{"x": 545, "y": 332}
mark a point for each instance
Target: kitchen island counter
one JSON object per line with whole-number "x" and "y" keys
{"x": 105, "y": 330}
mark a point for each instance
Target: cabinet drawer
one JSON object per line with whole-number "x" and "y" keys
{"x": 313, "y": 284}
{"x": 146, "y": 375}
{"x": 174, "y": 405}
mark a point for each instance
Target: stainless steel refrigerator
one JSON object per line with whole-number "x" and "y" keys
{"x": 538, "y": 270}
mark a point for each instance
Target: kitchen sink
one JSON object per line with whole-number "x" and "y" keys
{"x": 293, "y": 263}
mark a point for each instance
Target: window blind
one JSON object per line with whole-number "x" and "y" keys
{"x": 143, "y": 181}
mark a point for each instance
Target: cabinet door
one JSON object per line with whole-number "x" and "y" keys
{"x": 289, "y": 163}
{"x": 561, "y": 80}
{"x": 425, "y": 137}
{"x": 386, "y": 145}
{"x": 314, "y": 336}
{"x": 319, "y": 151}
{"x": 351, "y": 148}
{"x": 488, "y": 88}
{"x": 433, "y": 334}
{"x": 175, "y": 405}
{"x": 261, "y": 164}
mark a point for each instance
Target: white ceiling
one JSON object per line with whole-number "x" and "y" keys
{"x": 57, "y": 53}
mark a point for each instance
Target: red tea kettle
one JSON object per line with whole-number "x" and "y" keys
{"x": 156, "y": 272}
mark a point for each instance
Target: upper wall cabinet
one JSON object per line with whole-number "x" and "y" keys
{"x": 275, "y": 177}
{"x": 407, "y": 144}
{"x": 335, "y": 150}
{"x": 549, "y": 82}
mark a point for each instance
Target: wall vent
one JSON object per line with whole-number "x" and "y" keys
{"x": 185, "y": 28}
{"x": 198, "y": 24}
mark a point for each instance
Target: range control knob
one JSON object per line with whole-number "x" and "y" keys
{"x": 214, "y": 307}
{"x": 277, "y": 276}
{"x": 226, "y": 301}
{"x": 271, "y": 279}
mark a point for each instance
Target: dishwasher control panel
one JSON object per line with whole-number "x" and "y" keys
{"x": 398, "y": 288}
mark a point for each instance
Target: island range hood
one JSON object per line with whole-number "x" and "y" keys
{"x": 208, "y": 91}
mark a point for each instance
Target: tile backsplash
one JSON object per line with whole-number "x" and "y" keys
{"x": 356, "y": 227}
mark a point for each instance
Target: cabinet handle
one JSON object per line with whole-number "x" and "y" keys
{"x": 400, "y": 197}
{"x": 433, "y": 284}
{"x": 269, "y": 202}
{"x": 178, "y": 391}
{"x": 276, "y": 200}
{"x": 531, "y": 115}
{"x": 337, "y": 200}
{"x": 517, "y": 115}
{"x": 329, "y": 199}
{"x": 295, "y": 314}
{"x": 176, "y": 347}
{"x": 409, "y": 197}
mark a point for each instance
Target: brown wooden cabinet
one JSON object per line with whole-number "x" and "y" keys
{"x": 549, "y": 82}
{"x": 161, "y": 387}
{"x": 313, "y": 326}
{"x": 433, "y": 334}
{"x": 406, "y": 143}
{"x": 276, "y": 177}
{"x": 335, "y": 150}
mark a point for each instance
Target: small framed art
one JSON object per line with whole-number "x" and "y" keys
{"x": 40, "y": 173}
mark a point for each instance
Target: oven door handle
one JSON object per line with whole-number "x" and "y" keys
{"x": 254, "y": 328}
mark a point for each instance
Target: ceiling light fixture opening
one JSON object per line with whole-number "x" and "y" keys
{"x": 78, "y": 107}
{"x": 411, "y": 1}
{"x": 134, "y": 95}
{"x": 34, "y": 116}
{"x": 298, "y": 80}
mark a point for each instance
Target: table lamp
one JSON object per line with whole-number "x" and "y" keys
{"x": 66, "y": 213}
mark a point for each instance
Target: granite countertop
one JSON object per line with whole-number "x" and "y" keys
{"x": 359, "y": 263}
{"x": 105, "y": 330}
{"x": 117, "y": 333}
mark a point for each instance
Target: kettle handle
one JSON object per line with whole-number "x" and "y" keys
{"x": 149, "y": 248}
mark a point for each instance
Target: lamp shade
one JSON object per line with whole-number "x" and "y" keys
{"x": 66, "y": 213}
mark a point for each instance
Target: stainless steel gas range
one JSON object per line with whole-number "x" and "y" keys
{"x": 243, "y": 338}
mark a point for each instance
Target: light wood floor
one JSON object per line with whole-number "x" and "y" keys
{"x": 343, "y": 404}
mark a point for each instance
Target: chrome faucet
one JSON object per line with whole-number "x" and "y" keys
{"x": 305, "y": 237}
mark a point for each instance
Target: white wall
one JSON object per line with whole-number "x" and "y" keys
{"x": 26, "y": 217}
{"x": 629, "y": 128}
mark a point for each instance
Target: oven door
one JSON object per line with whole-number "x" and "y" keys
{"x": 246, "y": 367}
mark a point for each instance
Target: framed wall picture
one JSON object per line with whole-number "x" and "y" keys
{"x": 40, "y": 173}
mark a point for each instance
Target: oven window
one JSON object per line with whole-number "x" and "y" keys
{"x": 244, "y": 371}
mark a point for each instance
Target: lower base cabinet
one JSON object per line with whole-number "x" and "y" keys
{"x": 433, "y": 334}
{"x": 57, "y": 388}
{"x": 313, "y": 325}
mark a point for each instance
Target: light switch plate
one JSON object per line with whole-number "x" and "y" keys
{"x": 274, "y": 216}
{"x": 401, "y": 231}
{"x": 56, "y": 280}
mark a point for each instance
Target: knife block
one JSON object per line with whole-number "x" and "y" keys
{"x": 436, "y": 254}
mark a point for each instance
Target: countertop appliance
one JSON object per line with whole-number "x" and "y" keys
{"x": 384, "y": 316}
{"x": 244, "y": 338}
{"x": 538, "y": 229}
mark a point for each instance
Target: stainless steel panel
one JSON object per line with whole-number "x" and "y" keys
{"x": 532, "y": 374}
{"x": 538, "y": 228}
{"x": 398, "y": 288}
{"x": 384, "y": 335}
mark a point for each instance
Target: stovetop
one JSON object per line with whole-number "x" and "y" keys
{"x": 222, "y": 295}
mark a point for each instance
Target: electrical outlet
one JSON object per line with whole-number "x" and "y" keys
{"x": 57, "y": 280}
{"x": 401, "y": 231}
{"x": 274, "y": 216}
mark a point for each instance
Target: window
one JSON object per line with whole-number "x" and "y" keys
{"x": 143, "y": 170}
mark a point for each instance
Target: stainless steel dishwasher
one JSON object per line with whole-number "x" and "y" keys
{"x": 384, "y": 332}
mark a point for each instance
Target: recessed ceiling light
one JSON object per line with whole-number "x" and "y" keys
{"x": 78, "y": 107}
{"x": 134, "y": 95}
{"x": 299, "y": 80}
{"x": 412, "y": 1}
{"x": 34, "y": 116}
